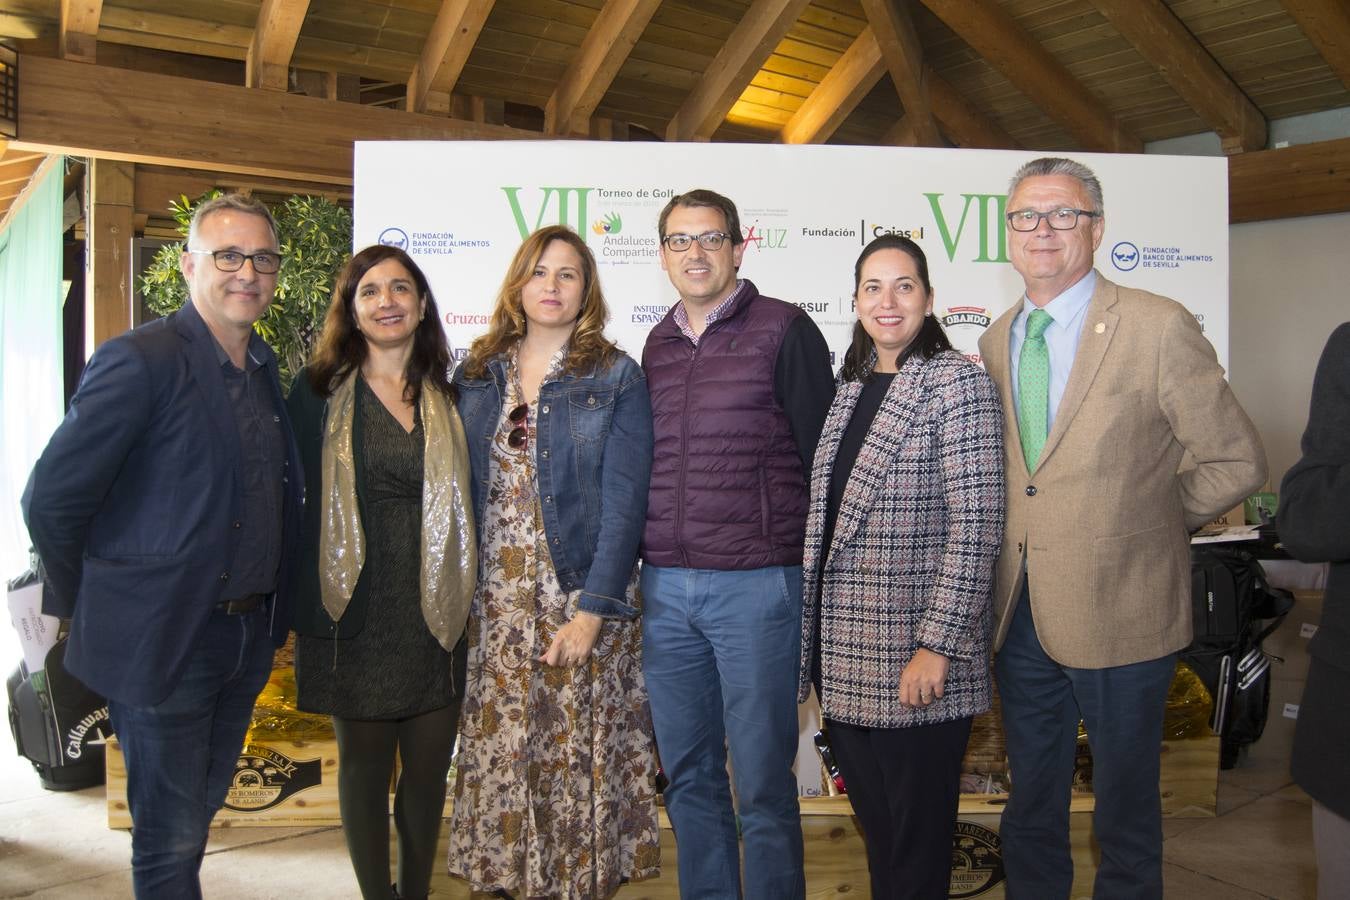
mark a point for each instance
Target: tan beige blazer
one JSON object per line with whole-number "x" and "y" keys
{"x": 1102, "y": 522}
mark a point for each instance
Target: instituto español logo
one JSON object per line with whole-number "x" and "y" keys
{"x": 648, "y": 314}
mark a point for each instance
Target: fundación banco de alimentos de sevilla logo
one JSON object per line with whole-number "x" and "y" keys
{"x": 1124, "y": 256}
{"x": 394, "y": 237}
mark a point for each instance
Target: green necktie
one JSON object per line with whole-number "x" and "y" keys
{"x": 1033, "y": 387}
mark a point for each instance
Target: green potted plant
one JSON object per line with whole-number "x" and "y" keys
{"x": 315, "y": 236}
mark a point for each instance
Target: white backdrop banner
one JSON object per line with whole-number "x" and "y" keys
{"x": 461, "y": 209}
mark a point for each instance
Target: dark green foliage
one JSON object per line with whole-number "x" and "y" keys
{"x": 316, "y": 239}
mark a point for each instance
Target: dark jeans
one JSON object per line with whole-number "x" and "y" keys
{"x": 904, "y": 785}
{"x": 181, "y": 753}
{"x": 1122, "y": 709}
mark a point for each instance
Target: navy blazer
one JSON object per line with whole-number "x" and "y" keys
{"x": 135, "y": 503}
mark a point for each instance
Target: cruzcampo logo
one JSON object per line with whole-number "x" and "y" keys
{"x": 534, "y": 209}
{"x": 610, "y": 224}
{"x": 986, "y": 223}
{"x": 264, "y": 778}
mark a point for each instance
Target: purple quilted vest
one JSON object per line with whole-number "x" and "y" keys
{"x": 727, "y": 488}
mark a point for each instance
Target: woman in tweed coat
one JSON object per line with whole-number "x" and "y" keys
{"x": 905, "y": 522}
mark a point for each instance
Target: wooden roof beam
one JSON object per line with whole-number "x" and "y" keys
{"x": 839, "y": 92}
{"x": 268, "y": 63}
{"x": 452, "y": 36}
{"x": 857, "y": 71}
{"x": 78, "y": 38}
{"x": 1327, "y": 25}
{"x": 901, "y": 134}
{"x": 764, "y": 24}
{"x": 11, "y": 160}
{"x": 962, "y": 123}
{"x": 893, "y": 27}
{"x": 65, "y": 107}
{"x": 1162, "y": 39}
{"x": 1006, "y": 45}
{"x": 20, "y": 175}
{"x": 602, "y": 53}
{"x": 1303, "y": 180}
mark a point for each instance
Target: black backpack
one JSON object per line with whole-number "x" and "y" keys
{"x": 1235, "y": 610}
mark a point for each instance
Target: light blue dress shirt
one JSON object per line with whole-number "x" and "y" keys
{"x": 1068, "y": 310}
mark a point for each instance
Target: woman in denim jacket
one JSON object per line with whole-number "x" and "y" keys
{"x": 553, "y": 794}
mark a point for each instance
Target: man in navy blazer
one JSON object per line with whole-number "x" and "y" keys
{"x": 164, "y": 511}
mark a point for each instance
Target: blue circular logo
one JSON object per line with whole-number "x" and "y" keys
{"x": 394, "y": 237}
{"x": 1124, "y": 256}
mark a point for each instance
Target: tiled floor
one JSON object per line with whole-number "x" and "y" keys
{"x": 57, "y": 845}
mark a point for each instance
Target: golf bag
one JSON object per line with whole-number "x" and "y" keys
{"x": 1235, "y": 610}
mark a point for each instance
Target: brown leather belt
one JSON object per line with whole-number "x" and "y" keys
{"x": 241, "y": 605}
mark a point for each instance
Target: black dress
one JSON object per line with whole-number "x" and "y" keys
{"x": 393, "y": 667}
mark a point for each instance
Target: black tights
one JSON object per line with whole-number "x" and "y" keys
{"x": 365, "y": 764}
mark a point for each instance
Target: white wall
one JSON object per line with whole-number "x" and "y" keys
{"x": 1289, "y": 287}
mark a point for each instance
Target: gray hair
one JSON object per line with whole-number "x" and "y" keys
{"x": 236, "y": 202}
{"x": 1058, "y": 165}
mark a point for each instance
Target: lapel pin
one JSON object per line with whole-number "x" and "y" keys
{"x": 1100, "y": 328}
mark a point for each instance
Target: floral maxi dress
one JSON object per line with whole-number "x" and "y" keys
{"x": 554, "y": 792}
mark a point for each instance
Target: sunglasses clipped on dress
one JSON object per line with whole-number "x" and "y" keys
{"x": 520, "y": 433}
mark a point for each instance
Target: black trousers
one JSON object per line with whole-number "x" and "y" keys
{"x": 366, "y": 751}
{"x": 904, "y": 785}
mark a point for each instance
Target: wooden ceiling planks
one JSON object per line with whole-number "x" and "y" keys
{"x": 525, "y": 47}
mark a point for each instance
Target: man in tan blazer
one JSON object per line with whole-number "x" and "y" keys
{"x": 1121, "y": 436}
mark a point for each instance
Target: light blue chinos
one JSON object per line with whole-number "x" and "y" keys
{"x": 720, "y": 652}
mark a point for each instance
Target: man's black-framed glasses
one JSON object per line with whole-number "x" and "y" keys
{"x": 1063, "y": 219}
{"x": 708, "y": 240}
{"x": 264, "y": 262}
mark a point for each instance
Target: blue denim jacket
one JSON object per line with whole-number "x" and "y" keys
{"x": 593, "y": 450}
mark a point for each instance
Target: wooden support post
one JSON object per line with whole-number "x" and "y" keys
{"x": 108, "y": 240}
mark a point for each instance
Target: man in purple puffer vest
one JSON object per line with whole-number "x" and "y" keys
{"x": 740, "y": 384}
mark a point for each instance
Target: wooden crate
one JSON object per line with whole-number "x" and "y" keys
{"x": 275, "y": 783}
{"x": 1190, "y": 777}
{"x": 285, "y": 783}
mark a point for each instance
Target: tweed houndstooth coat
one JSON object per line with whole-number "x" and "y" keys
{"x": 916, "y": 536}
